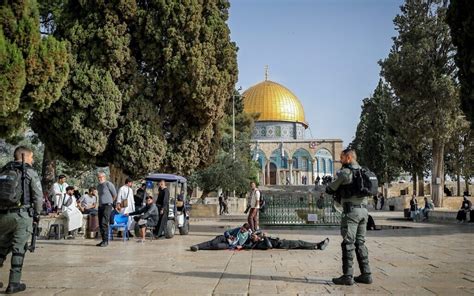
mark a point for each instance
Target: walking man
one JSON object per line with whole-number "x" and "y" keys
{"x": 21, "y": 201}
{"x": 107, "y": 196}
{"x": 254, "y": 206}
{"x": 353, "y": 222}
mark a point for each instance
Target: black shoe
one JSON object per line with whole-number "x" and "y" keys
{"x": 130, "y": 234}
{"x": 103, "y": 244}
{"x": 119, "y": 234}
{"x": 345, "y": 280}
{"x": 194, "y": 248}
{"x": 365, "y": 278}
{"x": 322, "y": 245}
{"x": 1, "y": 285}
{"x": 15, "y": 288}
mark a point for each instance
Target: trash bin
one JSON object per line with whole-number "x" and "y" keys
{"x": 391, "y": 208}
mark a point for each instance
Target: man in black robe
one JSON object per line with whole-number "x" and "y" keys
{"x": 162, "y": 202}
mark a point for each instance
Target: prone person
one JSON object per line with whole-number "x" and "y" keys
{"x": 261, "y": 241}
{"x": 232, "y": 239}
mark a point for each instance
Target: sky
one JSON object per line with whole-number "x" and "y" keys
{"x": 324, "y": 51}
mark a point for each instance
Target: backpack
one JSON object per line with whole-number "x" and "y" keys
{"x": 11, "y": 190}
{"x": 263, "y": 204}
{"x": 364, "y": 182}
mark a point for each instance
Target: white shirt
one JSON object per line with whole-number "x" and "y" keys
{"x": 124, "y": 193}
{"x": 60, "y": 189}
{"x": 255, "y": 199}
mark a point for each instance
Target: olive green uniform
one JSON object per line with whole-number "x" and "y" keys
{"x": 16, "y": 225}
{"x": 353, "y": 222}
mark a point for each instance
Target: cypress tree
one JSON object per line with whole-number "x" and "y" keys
{"x": 33, "y": 69}
{"x": 421, "y": 70}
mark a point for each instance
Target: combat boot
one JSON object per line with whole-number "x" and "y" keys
{"x": 347, "y": 261}
{"x": 345, "y": 280}
{"x": 15, "y": 288}
{"x": 362, "y": 255}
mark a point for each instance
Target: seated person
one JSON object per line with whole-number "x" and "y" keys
{"x": 429, "y": 206}
{"x": 71, "y": 212}
{"x": 87, "y": 203}
{"x": 231, "y": 239}
{"x": 465, "y": 208}
{"x": 261, "y": 241}
{"x": 148, "y": 217}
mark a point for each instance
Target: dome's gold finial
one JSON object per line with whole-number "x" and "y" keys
{"x": 266, "y": 72}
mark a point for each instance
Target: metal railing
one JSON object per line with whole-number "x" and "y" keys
{"x": 299, "y": 210}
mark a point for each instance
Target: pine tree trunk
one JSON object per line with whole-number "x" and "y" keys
{"x": 437, "y": 173}
{"x": 421, "y": 185}
{"x": 48, "y": 170}
{"x": 117, "y": 176}
{"x": 414, "y": 181}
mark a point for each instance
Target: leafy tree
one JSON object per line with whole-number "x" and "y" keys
{"x": 372, "y": 142}
{"x": 420, "y": 69}
{"x": 229, "y": 173}
{"x": 33, "y": 69}
{"x": 461, "y": 21}
{"x": 149, "y": 85}
{"x": 459, "y": 151}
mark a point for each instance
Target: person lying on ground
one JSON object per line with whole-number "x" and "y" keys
{"x": 148, "y": 217}
{"x": 261, "y": 241}
{"x": 232, "y": 239}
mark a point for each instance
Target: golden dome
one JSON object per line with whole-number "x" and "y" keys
{"x": 273, "y": 102}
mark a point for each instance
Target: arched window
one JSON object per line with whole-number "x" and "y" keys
{"x": 295, "y": 162}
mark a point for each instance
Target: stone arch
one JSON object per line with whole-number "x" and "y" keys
{"x": 325, "y": 162}
{"x": 303, "y": 159}
{"x": 276, "y": 157}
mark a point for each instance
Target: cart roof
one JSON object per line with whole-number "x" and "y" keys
{"x": 166, "y": 177}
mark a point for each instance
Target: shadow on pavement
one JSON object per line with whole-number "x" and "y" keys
{"x": 213, "y": 275}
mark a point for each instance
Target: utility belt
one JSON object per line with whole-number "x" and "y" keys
{"x": 349, "y": 207}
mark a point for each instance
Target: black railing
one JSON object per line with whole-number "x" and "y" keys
{"x": 299, "y": 210}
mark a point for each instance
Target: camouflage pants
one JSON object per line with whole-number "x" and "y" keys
{"x": 353, "y": 230}
{"x": 15, "y": 230}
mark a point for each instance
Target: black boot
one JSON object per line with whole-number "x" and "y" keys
{"x": 347, "y": 261}
{"x": 103, "y": 244}
{"x": 15, "y": 288}
{"x": 1, "y": 285}
{"x": 322, "y": 245}
{"x": 362, "y": 255}
{"x": 195, "y": 248}
{"x": 343, "y": 280}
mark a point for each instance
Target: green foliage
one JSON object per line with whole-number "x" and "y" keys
{"x": 227, "y": 173}
{"x": 461, "y": 21}
{"x": 373, "y": 142}
{"x": 421, "y": 71}
{"x": 459, "y": 152}
{"x": 149, "y": 83}
{"x": 33, "y": 69}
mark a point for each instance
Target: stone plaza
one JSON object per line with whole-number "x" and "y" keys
{"x": 406, "y": 258}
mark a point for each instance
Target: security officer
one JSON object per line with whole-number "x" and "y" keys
{"x": 353, "y": 222}
{"x": 16, "y": 223}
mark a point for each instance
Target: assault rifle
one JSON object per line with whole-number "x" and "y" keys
{"x": 32, "y": 246}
